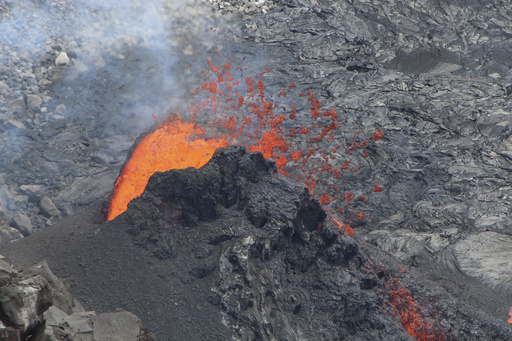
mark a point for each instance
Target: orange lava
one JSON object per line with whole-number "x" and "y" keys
{"x": 238, "y": 109}
{"x": 172, "y": 146}
{"x": 510, "y": 314}
{"x": 344, "y": 228}
{"x": 377, "y": 187}
{"x": 410, "y": 314}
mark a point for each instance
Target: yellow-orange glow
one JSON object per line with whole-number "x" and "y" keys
{"x": 239, "y": 110}
{"x": 171, "y": 146}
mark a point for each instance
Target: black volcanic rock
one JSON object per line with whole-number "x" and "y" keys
{"x": 229, "y": 250}
{"x": 234, "y": 250}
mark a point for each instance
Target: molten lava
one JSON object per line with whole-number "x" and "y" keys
{"x": 239, "y": 110}
{"x": 172, "y": 146}
{"x": 410, "y": 314}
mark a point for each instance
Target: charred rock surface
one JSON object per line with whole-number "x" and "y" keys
{"x": 235, "y": 250}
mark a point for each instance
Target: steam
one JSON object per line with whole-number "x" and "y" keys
{"x": 129, "y": 47}
{"x": 92, "y": 73}
{"x": 21, "y": 36}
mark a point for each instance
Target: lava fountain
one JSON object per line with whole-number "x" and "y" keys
{"x": 240, "y": 110}
{"x": 307, "y": 145}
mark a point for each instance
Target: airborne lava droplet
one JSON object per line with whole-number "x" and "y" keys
{"x": 378, "y": 134}
{"x": 377, "y": 187}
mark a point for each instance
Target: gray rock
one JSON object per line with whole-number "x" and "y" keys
{"x": 35, "y": 297}
{"x": 26, "y": 300}
{"x": 18, "y": 104}
{"x": 406, "y": 245}
{"x": 34, "y": 192}
{"x": 31, "y": 189}
{"x": 79, "y": 323}
{"x": 6, "y": 216}
{"x": 56, "y": 73}
{"x": 6, "y": 267}
{"x": 62, "y": 299}
{"x": 34, "y": 103}
{"x": 8, "y": 333}
{"x": 62, "y": 59}
{"x": 17, "y": 124}
{"x": 23, "y": 224}
{"x": 45, "y": 83}
{"x": 79, "y": 66}
{"x": 4, "y": 88}
{"x": 486, "y": 256}
{"x": 49, "y": 207}
{"x": 54, "y": 316}
{"x": 9, "y": 234}
{"x": 118, "y": 326}
{"x": 60, "y": 108}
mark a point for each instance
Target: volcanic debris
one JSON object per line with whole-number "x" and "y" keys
{"x": 36, "y": 305}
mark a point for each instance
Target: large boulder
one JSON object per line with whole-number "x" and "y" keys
{"x": 23, "y": 301}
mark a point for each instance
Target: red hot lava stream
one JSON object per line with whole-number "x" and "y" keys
{"x": 410, "y": 313}
{"x": 241, "y": 111}
{"x": 171, "y": 146}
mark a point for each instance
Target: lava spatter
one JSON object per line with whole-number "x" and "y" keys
{"x": 410, "y": 314}
{"x": 240, "y": 110}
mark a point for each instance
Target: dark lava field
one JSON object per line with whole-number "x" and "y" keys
{"x": 235, "y": 250}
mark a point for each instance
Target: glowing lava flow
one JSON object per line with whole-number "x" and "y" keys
{"x": 307, "y": 147}
{"x": 171, "y": 146}
{"x": 410, "y": 314}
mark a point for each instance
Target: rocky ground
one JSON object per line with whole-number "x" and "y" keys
{"x": 36, "y": 305}
{"x": 208, "y": 255}
{"x": 79, "y": 81}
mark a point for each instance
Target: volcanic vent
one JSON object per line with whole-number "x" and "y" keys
{"x": 313, "y": 146}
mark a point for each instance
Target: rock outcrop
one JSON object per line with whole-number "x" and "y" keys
{"x": 35, "y": 305}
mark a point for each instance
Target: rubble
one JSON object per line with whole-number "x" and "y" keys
{"x": 35, "y": 304}
{"x": 23, "y": 224}
{"x": 62, "y": 59}
{"x": 49, "y": 207}
{"x": 9, "y": 234}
